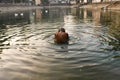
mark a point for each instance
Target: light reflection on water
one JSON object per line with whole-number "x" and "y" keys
{"x": 28, "y": 52}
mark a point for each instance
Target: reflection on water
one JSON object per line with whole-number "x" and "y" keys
{"x": 28, "y": 52}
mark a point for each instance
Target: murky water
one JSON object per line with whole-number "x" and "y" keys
{"x": 28, "y": 52}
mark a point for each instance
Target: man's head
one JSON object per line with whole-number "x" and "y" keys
{"x": 61, "y": 29}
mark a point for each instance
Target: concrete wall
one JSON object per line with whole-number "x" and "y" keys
{"x": 72, "y": 1}
{"x": 53, "y": 1}
{"x": 95, "y": 1}
{"x": 58, "y": 2}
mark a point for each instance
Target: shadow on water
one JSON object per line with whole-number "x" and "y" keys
{"x": 28, "y": 51}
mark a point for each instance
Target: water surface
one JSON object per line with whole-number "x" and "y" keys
{"x": 28, "y": 52}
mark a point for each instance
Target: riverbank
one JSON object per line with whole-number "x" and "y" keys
{"x": 111, "y": 6}
{"x": 107, "y": 5}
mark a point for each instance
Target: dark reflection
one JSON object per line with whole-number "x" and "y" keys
{"x": 54, "y": 14}
{"x": 14, "y": 18}
{"x": 45, "y": 14}
{"x": 0, "y": 52}
{"x": 62, "y": 48}
{"x": 112, "y": 20}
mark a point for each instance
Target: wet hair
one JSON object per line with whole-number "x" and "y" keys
{"x": 61, "y": 29}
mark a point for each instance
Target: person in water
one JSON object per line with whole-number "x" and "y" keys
{"x": 61, "y": 36}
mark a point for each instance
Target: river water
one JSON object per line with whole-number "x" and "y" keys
{"x": 28, "y": 51}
